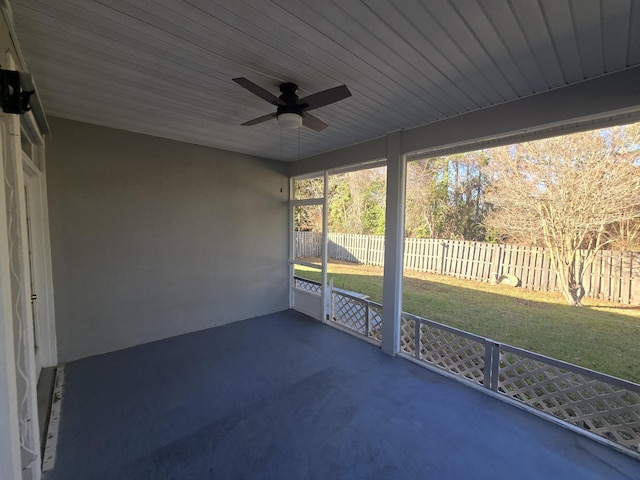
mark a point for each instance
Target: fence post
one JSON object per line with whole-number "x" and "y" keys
{"x": 634, "y": 297}
{"x": 330, "y": 299}
{"x": 445, "y": 246}
{"x": 495, "y": 366}
{"x": 367, "y": 259}
{"x": 417, "y": 339}
{"x": 493, "y": 272}
{"x": 488, "y": 358}
{"x": 498, "y": 262}
{"x": 367, "y": 322}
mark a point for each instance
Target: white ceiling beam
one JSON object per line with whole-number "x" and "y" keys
{"x": 607, "y": 97}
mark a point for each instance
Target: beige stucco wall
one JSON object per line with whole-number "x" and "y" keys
{"x": 153, "y": 238}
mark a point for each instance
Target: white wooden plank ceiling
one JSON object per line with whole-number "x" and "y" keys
{"x": 164, "y": 67}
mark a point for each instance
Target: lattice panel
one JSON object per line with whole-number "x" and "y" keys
{"x": 592, "y": 404}
{"x": 350, "y": 312}
{"x": 451, "y": 352}
{"x": 308, "y": 286}
{"x": 375, "y": 322}
{"x": 408, "y": 335}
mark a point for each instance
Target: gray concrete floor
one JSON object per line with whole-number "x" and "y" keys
{"x": 284, "y": 397}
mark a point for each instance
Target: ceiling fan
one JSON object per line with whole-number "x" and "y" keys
{"x": 291, "y": 111}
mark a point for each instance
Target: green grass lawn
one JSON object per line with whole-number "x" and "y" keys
{"x": 601, "y": 336}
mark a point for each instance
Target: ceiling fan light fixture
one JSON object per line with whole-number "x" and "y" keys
{"x": 289, "y": 120}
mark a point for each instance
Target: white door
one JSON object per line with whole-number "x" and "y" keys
{"x": 32, "y": 195}
{"x": 308, "y": 259}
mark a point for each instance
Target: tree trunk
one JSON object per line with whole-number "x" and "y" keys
{"x": 570, "y": 284}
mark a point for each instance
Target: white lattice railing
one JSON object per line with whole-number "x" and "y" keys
{"x": 601, "y": 404}
{"x": 445, "y": 347}
{"x": 306, "y": 285}
{"x": 358, "y": 315}
{"x": 598, "y": 403}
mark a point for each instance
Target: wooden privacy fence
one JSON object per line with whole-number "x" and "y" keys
{"x": 613, "y": 276}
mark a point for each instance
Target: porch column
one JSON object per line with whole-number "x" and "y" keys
{"x": 10, "y": 462}
{"x": 393, "y": 245}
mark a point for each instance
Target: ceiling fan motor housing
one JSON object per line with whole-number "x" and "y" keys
{"x": 290, "y": 99}
{"x": 289, "y": 93}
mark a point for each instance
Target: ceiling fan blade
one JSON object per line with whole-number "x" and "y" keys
{"x": 258, "y": 90}
{"x": 312, "y": 122}
{"x": 255, "y": 121}
{"x": 325, "y": 97}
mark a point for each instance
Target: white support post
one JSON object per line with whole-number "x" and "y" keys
{"x": 10, "y": 462}
{"x": 325, "y": 249}
{"x": 292, "y": 242}
{"x": 394, "y": 245}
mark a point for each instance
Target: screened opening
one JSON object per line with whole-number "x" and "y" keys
{"x": 535, "y": 245}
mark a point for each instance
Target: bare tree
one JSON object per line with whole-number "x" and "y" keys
{"x": 567, "y": 194}
{"x": 308, "y": 218}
